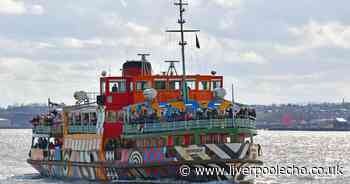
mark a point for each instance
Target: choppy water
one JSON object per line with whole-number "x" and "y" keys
{"x": 279, "y": 147}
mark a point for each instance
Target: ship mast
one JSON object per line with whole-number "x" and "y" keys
{"x": 182, "y": 44}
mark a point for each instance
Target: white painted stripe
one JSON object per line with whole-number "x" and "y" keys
{"x": 244, "y": 151}
{"x": 98, "y": 142}
{"x": 85, "y": 172}
{"x": 183, "y": 153}
{"x": 92, "y": 172}
{"x": 75, "y": 147}
{"x": 218, "y": 151}
{"x": 234, "y": 146}
{"x": 90, "y": 145}
{"x": 85, "y": 145}
{"x": 204, "y": 156}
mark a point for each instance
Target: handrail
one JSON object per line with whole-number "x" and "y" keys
{"x": 188, "y": 125}
{"x": 82, "y": 129}
{"x": 48, "y": 129}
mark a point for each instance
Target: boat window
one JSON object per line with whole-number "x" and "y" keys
{"x": 77, "y": 117}
{"x": 215, "y": 84}
{"x": 142, "y": 85}
{"x": 203, "y": 139}
{"x": 217, "y": 138}
{"x": 131, "y": 86}
{"x": 188, "y": 140}
{"x": 208, "y": 139}
{"x": 71, "y": 119}
{"x": 203, "y": 85}
{"x": 93, "y": 118}
{"x": 117, "y": 86}
{"x": 85, "y": 118}
{"x": 175, "y": 85}
{"x": 191, "y": 84}
{"x": 103, "y": 87}
{"x": 111, "y": 116}
{"x": 160, "y": 84}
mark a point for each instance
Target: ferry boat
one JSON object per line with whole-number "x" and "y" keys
{"x": 147, "y": 127}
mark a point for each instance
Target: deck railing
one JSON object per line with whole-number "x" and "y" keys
{"x": 188, "y": 125}
{"x": 48, "y": 129}
{"x": 42, "y": 129}
{"x": 90, "y": 129}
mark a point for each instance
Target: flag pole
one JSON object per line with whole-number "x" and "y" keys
{"x": 183, "y": 44}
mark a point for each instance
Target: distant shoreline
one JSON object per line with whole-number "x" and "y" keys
{"x": 9, "y": 128}
{"x": 308, "y": 130}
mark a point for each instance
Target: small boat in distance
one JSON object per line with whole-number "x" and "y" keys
{"x": 149, "y": 127}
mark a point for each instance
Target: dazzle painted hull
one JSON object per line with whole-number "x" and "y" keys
{"x": 151, "y": 165}
{"x": 111, "y": 172}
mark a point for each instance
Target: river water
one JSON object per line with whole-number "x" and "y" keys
{"x": 283, "y": 148}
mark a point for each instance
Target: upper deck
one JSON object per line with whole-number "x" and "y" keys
{"x": 119, "y": 91}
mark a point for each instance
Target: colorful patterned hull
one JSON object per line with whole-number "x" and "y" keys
{"x": 152, "y": 164}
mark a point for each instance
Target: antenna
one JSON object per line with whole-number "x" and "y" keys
{"x": 172, "y": 68}
{"x": 143, "y": 56}
{"x": 182, "y": 43}
{"x": 143, "y": 60}
{"x": 233, "y": 94}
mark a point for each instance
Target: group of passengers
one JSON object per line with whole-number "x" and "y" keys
{"x": 170, "y": 114}
{"x": 51, "y": 148}
{"x": 53, "y": 117}
{"x": 246, "y": 113}
{"x": 144, "y": 114}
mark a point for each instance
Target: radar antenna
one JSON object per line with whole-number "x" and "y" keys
{"x": 143, "y": 60}
{"x": 172, "y": 68}
{"x": 182, "y": 44}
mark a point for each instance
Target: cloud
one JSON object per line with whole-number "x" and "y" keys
{"x": 252, "y": 57}
{"x": 228, "y": 3}
{"x": 12, "y": 7}
{"x": 271, "y": 52}
{"x": 315, "y": 35}
{"x": 24, "y": 44}
{"x": 39, "y": 80}
{"x": 36, "y": 10}
{"x": 137, "y": 28}
{"x": 76, "y": 43}
{"x": 124, "y": 4}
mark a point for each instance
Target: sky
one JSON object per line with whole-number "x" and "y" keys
{"x": 272, "y": 51}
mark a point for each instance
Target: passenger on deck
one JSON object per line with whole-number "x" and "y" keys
{"x": 52, "y": 151}
{"x": 94, "y": 119}
{"x": 199, "y": 114}
{"x": 252, "y": 114}
{"x": 114, "y": 88}
{"x": 58, "y": 147}
{"x": 230, "y": 112}
{"x": 109, "y": 146}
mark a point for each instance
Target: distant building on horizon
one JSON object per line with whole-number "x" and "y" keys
{"x": 330, "y": 123}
